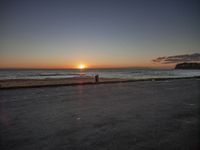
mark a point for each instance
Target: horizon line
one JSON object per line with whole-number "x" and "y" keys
{"x": 88, "y": 68}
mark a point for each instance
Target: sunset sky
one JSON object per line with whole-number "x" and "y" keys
{"x": 97, "y": 33}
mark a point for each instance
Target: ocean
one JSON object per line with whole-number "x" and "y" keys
{"x": 106, "y": 73}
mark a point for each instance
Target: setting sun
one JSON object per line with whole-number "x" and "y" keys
{"x": 81, "y": 66}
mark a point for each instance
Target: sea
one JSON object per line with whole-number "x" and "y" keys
{"x": 123, "y": 73}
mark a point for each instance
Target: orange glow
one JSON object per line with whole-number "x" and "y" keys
{"x": 81, "y": 66}
{"x": 75, "y": 64}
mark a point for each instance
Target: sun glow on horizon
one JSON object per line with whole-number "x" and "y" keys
{"x": 81, "y": 66}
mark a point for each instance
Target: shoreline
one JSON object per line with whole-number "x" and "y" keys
{"x": 35, "y": 83}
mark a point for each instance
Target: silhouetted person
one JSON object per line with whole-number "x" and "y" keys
{"x": 96, "y": 78}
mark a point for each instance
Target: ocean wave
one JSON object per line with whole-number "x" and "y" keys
{"x": 124, "y": 74}
{"x": 61, "y": 74}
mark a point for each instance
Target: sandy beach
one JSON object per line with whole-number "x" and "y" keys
{"x": 122, "y": 116}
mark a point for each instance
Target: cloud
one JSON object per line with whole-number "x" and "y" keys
{"x": 178, "y": 59}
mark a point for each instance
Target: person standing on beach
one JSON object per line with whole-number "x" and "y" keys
{"x": 96, "y": 78}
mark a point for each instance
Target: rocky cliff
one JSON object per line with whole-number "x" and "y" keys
{"x": 188, "y": 66}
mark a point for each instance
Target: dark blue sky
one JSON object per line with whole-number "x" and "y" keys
{"x": 98, "y": 33}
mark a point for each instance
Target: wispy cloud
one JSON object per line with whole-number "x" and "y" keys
{"x": 178, "y": 59}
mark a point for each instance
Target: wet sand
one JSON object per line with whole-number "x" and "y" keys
{"x": 26, "y": 83}
{"x": 21, "y": 83}
{"x": 160, "y": 115}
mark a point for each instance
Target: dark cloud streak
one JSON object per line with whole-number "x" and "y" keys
{"x": 178, "y": 59}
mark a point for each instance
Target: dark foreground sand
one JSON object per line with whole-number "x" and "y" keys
{"x": 162, "y": 115}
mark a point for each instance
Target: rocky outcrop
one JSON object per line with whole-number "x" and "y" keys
{"x": 188, "y": 66}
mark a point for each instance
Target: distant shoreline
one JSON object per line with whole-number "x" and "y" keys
{"x": 33, "y": 83}
{"x": 187, "y": 66}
